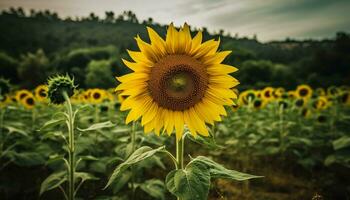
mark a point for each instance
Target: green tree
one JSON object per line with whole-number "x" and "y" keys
{"x": 33, "y": 69}
{"x": 99, "y": 74}
{"x": 8, "y": 67}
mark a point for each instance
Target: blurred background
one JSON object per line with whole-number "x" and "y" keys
{"x": 277, "y": 43}
{"x": 297, "y": 136}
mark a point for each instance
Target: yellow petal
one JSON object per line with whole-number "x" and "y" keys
{"x": 159, "y": 120}
{"x": 136, "y": 67}
{"x": 218, "y": 109}
{"x": 217, "y": 58}
{"x": 218, "y": 100}
{"x": 146, "y": 49}
{"x": 139, "y": 57}
{"x": 179, "y": 124}
{"x": 201, "y": 110}
{"x": 222, "y": 92}
{"x": 158, "y": 44}
{"x": 220, "y": 69}
{"x": 196, "y": 43}
{"x": 198, "y": 124}
{"x": 204, "y": 49}
{"x": 149, "y": 114}
{"x": 171, "y": 39}
{"x": 134, "y": 77}
{"x": 188, "y": 121}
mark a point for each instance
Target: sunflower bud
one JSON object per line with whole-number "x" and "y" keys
{"x": 57, "y": 86}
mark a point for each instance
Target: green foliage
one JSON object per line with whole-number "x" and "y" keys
{"x": 191, "y": 183}
{"x": 99, "y": 75}
{"x": 72, "y": 44}
{"x": 262, "y": 73}
{"x": 33, "y": 69}
{"x": 139, "y": 155}
{"x": 8, "y": 67}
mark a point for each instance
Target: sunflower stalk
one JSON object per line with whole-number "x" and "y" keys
{"x": 180, "y": 147}
{"x": 71, "y": 148}
{"x": 133, "y": 147}
{"x": 281, "y": 127}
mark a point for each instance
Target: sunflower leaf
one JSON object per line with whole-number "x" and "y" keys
{"x": 53, "y": 181}
{"x": 218, "y": 171}
{"x": 107, "y": 124}
{"x": 139, "y": 155}
{"x": 191, "y": 183}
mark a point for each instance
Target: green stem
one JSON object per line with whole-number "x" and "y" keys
{"x": 133, "y": 147}
{"x": 71, "y": 156}
{"x": 281, "y": 120}
{"x": 180, "y": 154}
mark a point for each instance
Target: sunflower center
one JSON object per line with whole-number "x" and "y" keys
{"x": 30, "y": 101}
{"x": 42, "y": 93}
{"x": 96, "y": 95}
{"x": 178, "y": 82}
{"x": 303, "y": 92}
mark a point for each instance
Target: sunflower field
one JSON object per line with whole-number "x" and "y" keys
{"x": 169, "y": 114}
{"x": 302, "y": 131}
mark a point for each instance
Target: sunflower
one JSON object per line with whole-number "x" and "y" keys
{"x": 177, "y": 81}
{"x": 21, "y": 94}
{"x": 291, "y": 94}
{"x": 333, "y": 91}
{"x": 283, "y": 104}
{"x": 258, "y": 103}
{"x": 235, "y": 107}
{"x": 320, "y": 92}
{"x": 246, "y": 96}
{"x": 28, "y": 102}
{"x": 345, "y": 98}
{"x": 320, "y": 103}
{"x": 278, "y": 92}
{"x": 97, "y": 96}
{"x": 267, "y": 94}
{"x": 4, "y": 100}
{"x": 40, "y": 93}
{"x": 299, "y": 102}
{"x": 304, "y": 91}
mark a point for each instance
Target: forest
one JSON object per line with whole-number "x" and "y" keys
{"x": 90, "y": 49}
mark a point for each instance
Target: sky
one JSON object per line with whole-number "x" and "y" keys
{"x": 268, "y": 19}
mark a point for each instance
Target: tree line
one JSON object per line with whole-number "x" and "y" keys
{"x": 38, "y": 44}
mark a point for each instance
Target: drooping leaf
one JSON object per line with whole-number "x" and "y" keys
{"x": 218, "y": 171}
{"x": 12, "y": 129}
{"x": 97, "y": 126}
{"x": 27, "y": 158}
{"x": 52, "y": 123}
{"x": 53, "y": 181}
{"x": 139, "y": 155}
{"x": 154, "y": 187}
{"x": 83, "y": 176}
{"x": 341, "y": 143}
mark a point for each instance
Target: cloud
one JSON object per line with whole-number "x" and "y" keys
{"x": 269, "y": 19}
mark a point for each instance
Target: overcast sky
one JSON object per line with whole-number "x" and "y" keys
{"x": 269, "y": 19}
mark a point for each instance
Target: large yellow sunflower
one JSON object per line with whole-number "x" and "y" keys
{"x": 177, "y": 81}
